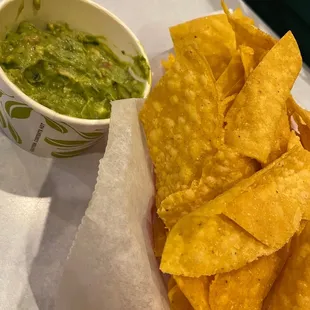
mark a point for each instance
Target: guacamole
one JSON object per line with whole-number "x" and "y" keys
{"x": 71, "y": 72}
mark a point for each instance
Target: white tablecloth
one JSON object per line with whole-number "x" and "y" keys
{"x": 42, "y": 201}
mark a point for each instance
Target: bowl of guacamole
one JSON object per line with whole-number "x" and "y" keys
{"x": 61, "y": 65}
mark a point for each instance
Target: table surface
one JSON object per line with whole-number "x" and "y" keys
{"x": 42, "y": 200}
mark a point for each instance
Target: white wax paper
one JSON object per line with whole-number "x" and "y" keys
{"x": 112, "y": 265}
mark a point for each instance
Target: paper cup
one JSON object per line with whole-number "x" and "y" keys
{"x": 34, "y": 127}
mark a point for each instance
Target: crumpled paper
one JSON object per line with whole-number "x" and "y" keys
{"x": 111, "y": 264}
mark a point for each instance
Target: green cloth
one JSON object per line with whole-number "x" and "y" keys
{"x": 285, "y": 15}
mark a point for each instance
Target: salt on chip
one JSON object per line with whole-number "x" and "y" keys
{"x": 213, "y": 37}
{"x": 232, "y": 79}
{"x": 181, "y": 122}
{"x": 253, "y": 118}
{"x": 206, "y": 241}
{"x": 248, "y": 60}
{"x": 272, "y": 207}
{"x": 220, "y": 172}
{"x": 196, "y": 290}
{"x": 247, "y": 287}
{"x": 177, "y": 300}
{"x": 159, "y": 235}
{"x": 292, "y": 288}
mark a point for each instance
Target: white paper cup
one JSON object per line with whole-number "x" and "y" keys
{"x": 34, "y": 127}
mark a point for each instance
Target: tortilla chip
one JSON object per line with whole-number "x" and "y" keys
{"x": 204, "y": 242}
{"x": 220, "y": 172}
{"x": 249, "y": 35}
{"x": 213, "y": 36}
{"x": 226, "y": 104}
{"x": 181, "y": 124}
{"x": 293, "y": 140}
{"x": 232, "y": 79}
{"x": 302, "y": 118}
{"x": 167, "y": 64}
{"x": 271, "y": 208}
{"x": 304, "y": 136}
{"x": 253, "y": 118}
{"x": 248, "y": 60}
{"x": 282, "y": 137}
{"x": 171, "y": 283}
{"x": 246, "y": 288}
{"x": 294, "y": 107}
{"x": 201, "y": 244}
{"x": 196, "y": 290}
{"x": 159, "y": 235}
{"x": 292, "y": 288}
{"x": 238, "y": 14}
{"x": 177, "y": 300}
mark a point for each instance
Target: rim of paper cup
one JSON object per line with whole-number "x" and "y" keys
{"x": 69, "y": 119}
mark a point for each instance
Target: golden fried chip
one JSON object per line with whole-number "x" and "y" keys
{"x": 271, "y": 208}
{"x": 202, "y": 244}
{"x": 171, "y": 283}
{"x": 159, "y": 236}
{"x": 268, "y": 205}
{"x": 213, "y": 36}
{"x": 249, "y": 35}
{"x": 220, "y": 172}
{"x": 282, "y": 137}
{"x": 246, "y": 288}
{"x": 304, "y": 136}
{"x": 238, "y": 14}
{"x": 293, "y": 140}
{"x": 167, "y": 64}
{"x": 182, "y": 123}
{"x": 177, "y": 300}
{"x": 248, "y": 60}
{"x": 294, "y": 107}
{"x": 302, "y": 118}
{"x": 292, "y": 288}
{"x": 226, "y": 104}
{"x": 253, "y": 118}
{"x": 232, "y": 79}
{"x": 196, "y": 290}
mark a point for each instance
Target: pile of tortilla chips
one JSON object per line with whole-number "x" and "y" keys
{"x": 232, "y": 178}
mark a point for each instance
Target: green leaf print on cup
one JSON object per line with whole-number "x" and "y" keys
{"x": 2, "y": 120}
{"x": 65, "y": 143}
{"x": 14, "y": 134}
{"x": 56, "y": 125}
{"x": 88, "y": 135}
{"x": 70, "y": 153}
{"x": 3, "y": 93}
{"x": 17, "y": 109}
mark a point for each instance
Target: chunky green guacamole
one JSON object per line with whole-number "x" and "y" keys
{"x": 69, "y": 71}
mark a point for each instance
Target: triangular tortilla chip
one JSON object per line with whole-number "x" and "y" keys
{"x": 253, "y": 118}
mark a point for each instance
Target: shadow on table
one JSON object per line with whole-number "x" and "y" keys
{"x": 69, "y": 200}
{"x": 22, "y": 173}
